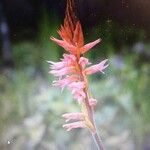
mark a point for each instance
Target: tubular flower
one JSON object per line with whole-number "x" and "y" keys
{"x": 73, "y": 116}
{"x": 96, "y": 68}
{"x": 78, "y": 124}
{"x": 73, "y": 68}
{"x": 92, "y": 102}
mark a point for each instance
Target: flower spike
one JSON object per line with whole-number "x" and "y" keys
{"x": 72, "y": 71}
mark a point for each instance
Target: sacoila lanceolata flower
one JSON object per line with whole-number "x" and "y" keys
{"x": 72, "y": 72}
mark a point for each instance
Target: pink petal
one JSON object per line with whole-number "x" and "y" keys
{"x": 73, "y": 116}
{"x": 83, "y": 62}
{"x": 88, "y": 46}
{"x": 69, "y": 57}
{"x": 70, "y": 126}
{"x": 56, "y": 65}
{"x": 66, "y": 81}
{"x": 68, "y": 60}
{"x": 63, "y": 71}
{"x": 96, "y": 68}
{"x": 76, "y": 85}
{"x": 77, "y": 90}
{"x": 79, "y": 96}
{"x": 68, "y": 47}
{"x": 92, "y": 102}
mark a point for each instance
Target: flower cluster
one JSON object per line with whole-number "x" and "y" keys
{"x": 72, "y": 71}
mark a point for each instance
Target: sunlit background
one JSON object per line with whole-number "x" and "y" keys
{"x": 31, "y": 109}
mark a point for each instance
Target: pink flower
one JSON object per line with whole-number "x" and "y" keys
{"x": 67, "y": 60}
{"x": 92, "y": 102}
{"x": 63, "y": 71}
{"x": 73, "y": 116}
{"x": 64, "y": 67}
{"x": 76, "y": 85}
{"x": 83, "y": 62}
{"x": 78, "y": 124}
{"x": 65, "y": 81}
{"x": 77, "y": 89}
{"x": 96, "y": 68}
{"x": 56, "y": 65}
{"x": 79, "y": 96}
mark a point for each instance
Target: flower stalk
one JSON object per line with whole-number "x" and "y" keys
{"x": 73, "y": 71}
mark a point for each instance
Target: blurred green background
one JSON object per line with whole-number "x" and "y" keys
{"x": 31, "y": 109}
